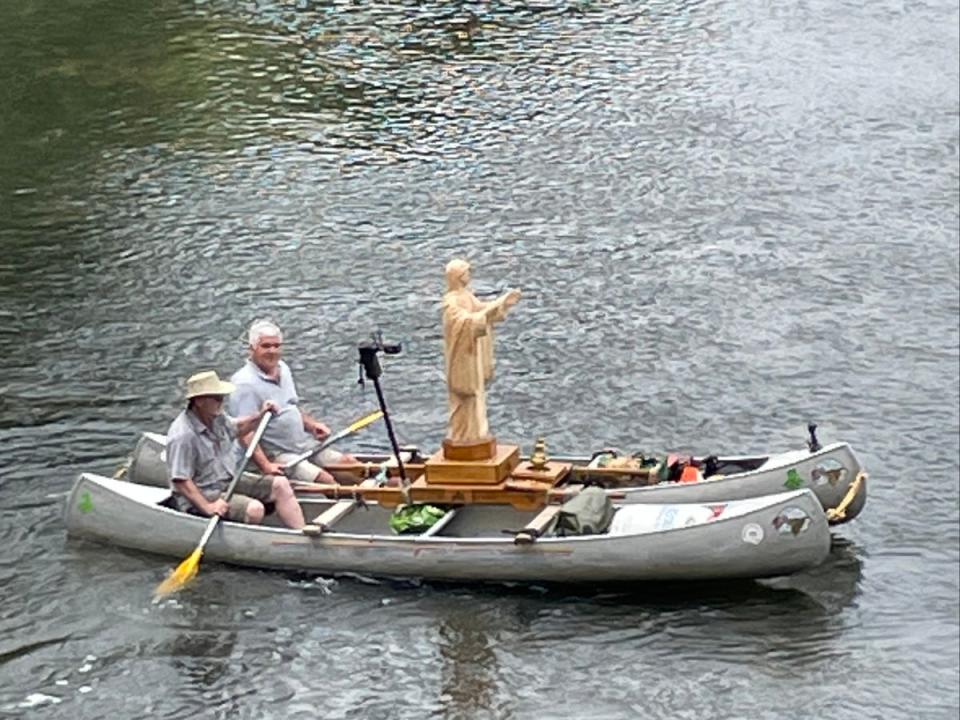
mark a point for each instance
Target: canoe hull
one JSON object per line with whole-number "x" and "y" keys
{"x": 754, "y": 544}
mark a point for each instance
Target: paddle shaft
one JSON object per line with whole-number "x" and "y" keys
{"x": 238, "y": 471}
{"x": 363, "y": 422}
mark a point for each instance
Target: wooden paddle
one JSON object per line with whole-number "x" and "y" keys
{"x": 358, "y": 425}
{"x": 187, "y": 570}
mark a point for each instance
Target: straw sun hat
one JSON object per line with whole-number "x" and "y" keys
{"x": 207, "y": 383}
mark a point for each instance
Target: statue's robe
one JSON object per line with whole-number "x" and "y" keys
{"x": 468, "y": 352}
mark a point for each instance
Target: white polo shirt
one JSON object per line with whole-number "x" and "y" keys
{"x": 284, "y": 433}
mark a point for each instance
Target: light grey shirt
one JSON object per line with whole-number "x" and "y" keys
{"x": 284, "y": 433}
{"x": 201, "y": 454}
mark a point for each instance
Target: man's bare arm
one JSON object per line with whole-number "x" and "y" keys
{"x": 313, "y": 426}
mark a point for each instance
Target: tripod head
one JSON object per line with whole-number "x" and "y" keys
{"x": 369, "y": 352}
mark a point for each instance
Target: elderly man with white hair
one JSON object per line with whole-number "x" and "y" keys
{"x": 293, "y": 431}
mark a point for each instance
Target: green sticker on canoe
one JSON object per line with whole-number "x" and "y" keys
{"x": 86, "y": 504}
{"x": 794, "y": 481}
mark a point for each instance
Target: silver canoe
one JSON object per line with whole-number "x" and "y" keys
{"x": 760, "y": 537}
{"x": 833, "y": 473}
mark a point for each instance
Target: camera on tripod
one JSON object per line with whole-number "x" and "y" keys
{"x": 370, "y": 364}
{"x": 369, "y": 351}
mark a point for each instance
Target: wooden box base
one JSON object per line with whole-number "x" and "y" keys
{"x": 441, "y": 470}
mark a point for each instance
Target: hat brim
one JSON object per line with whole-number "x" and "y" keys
{"x": 221, "y": 388}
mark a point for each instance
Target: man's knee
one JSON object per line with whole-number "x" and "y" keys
{"x": 280, "y": 489}
{"x": 254, "y": 512}
{"x": 324, "y": 477}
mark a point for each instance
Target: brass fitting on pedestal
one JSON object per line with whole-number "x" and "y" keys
{"x": 538, "y": 460}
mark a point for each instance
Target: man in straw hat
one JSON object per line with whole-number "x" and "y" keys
{"x": 201, "y": 459}
{"x": 265, "y": 376}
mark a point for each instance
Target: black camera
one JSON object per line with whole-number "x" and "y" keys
{"x": 369, "y": 351}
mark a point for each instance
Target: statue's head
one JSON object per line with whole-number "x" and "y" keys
{"x": 458, "y": 274}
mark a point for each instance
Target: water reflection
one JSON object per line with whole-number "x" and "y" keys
{"x": 788, "y": 625}
{"x": 835, "y": 584}
{"x": 203, "y": 671}
{"x": 201, "y": 657}
{"x": 469, "y": 669}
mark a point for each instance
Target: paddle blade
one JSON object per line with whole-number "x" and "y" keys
{"x": 364, "y": 421}
{"x": 185, "y": 572}
{"x": 349, "y": 430}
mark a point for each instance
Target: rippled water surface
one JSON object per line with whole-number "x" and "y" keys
{"x": 727, "y": 219}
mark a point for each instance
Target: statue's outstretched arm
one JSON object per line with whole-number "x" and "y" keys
{"x": 497, "y": 310}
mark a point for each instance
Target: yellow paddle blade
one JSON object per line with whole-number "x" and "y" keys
{"x": 185, "y": 572}
{"x": 364, "y": 421}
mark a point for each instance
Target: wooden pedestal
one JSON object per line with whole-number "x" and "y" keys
{"x": 440, "y": 469}
{"x": 483, "y": 449}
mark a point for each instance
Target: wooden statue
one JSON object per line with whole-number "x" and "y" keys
{"x": 468, "y": 351}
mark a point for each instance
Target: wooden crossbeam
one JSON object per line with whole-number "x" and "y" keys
{"x": 365, "y": 470}
{"x": 538, "y": 526}
{"x": 438, "y": 525}
{"x": 329, "y": 517}
{"x": 520, "y": 495}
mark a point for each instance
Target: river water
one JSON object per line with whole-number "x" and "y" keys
{"x": 727, "y": 219}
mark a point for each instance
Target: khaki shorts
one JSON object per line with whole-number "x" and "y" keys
{"x": 248, "y": 489}
{"x": 306, "y": 470}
